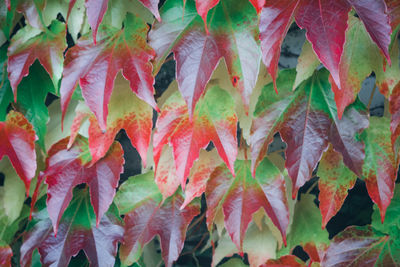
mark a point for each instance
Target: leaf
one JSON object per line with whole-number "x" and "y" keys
{"x": 126, "y": 111}
{"x": 145, "y": 214}
{"x": 18, "y": 143}
{"x": 30, "y": 44}
{"x": 95, "y": 11}
{"x": 326, "y": 23}
{"x": 232, "y": 35}
{"x": 380, "y": 166}
{"x": 307, "y": 120}
{"x": 394, "y": 13}
{"x": 259, "y": 244}
{"x": 96, "y": 66}
{"x": 5, "y": 254}
{"x": 78, "y": 230}
{"x": 203, "y": 6}
{"x": 306, "y": 227}
{"x": 213, "y": 120}
{"x": 12, "y": 193}
{"x": 241, "y": 196}
{"x": 287, "y": 260}
{"x": 258, "y": 4}
{"x": 307, "y": 63}
{"x": 66, "y": 168}
{"x": 394, "y": 109}
{"x": 357, "y": 246}
{"x": 357, "y": 62}
{"x": 200, "y": 174}
{"x": 275, "y": 19}
{"x": 6, "y": 96}
{"x": 373, "y": 13}
{"x": 165, "y": 174}
{"x": 32, "y": 11}
{"x": 335, "y": 179}
{"x": 31, "y": 100}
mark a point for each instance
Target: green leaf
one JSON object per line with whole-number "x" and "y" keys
{"x": 32, "y": 92}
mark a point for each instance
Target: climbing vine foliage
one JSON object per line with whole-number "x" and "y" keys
{"x": 76, "y": 75}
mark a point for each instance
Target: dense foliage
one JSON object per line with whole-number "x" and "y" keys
{"x": 76, "y": 75}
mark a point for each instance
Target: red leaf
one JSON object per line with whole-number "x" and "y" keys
{"x": 145, "y": 215}
{"x": 197, "y": 56}
{"x": 232, "y": 35}
{"x": 374, "y": 15}
{"x": 258, "y": 4}
{"x": 285, "y": 261}
{"x": 240, "y": 197}
{"x": 95, "y": 10}
{"x": 66, "y": 168}
{"x": 275, "y": 20}
{"x": 78, "y": 231}
{"x": 394, "y": 108}
{"x": 213, "y": 120}
{"x": 335, "y": 179}
{"x": 5, "y": 255}
{"x": 30, "y": 44}
{"x": 96, "y": 66}
{"x": 18, "y": 143}
{"x": 326, "y": 23}
{"x": 126, "y": 111}
{"x": 355, "y": 246}
{"x": 380, "y": 165}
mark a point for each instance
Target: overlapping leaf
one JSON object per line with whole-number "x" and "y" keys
{"x": 96, "y": 66}
{"x": 78, "y": 230}
{"x": 213, "y": 120}
{"x": 241, "y": 196}
{"x": 306, "y": 229}
{"x": 287, "y": 260}
{"x": 5, "y": 254}
{"x": 126, "y": 111}
{"x": 30, "y": 44}
{"x": 394, "y": 12}
{"x": 6, "y": 96}
{"x": 18, "y": 143}
{"x": 307, "y": 121}
{"x": 66, "y": 168}
{"x": 334, "y": 181}
{"x": 232, "y": 35}
{"x": 147, "y": 216}
{"x": 380, "y": 164}
{"x": 326, "y": 24}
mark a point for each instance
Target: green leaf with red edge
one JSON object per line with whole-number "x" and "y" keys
{"x": 241, "y": 196}
{"x": 334, "y": 181}
{"x": 213, "y": 120}
{"x": 394, "y": 12}
{"x": 140, "y": 201}
{"x": 232, "y": 35}
{"x": 380, "y": 164}
{"x": 307, "y": 120}
{"x": 96, "y": 66}
{"x": 18, "y": 143}
{"x": 200, "y": 173}
{"x": 66, "y": 168}
{"x": 5, "y": 254}
{"x": 287, "y": 260}
{"x": 126, "y": 111}
{"x": 306, "y": 64}
{"x": 30, "y": 44}
{"x": 78, "y": 231}
{"x": 165, "y": 174}
{"x": 357, "y": 63}
{"x": 306, "y": 229}
{"x": 359, "y": 246}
